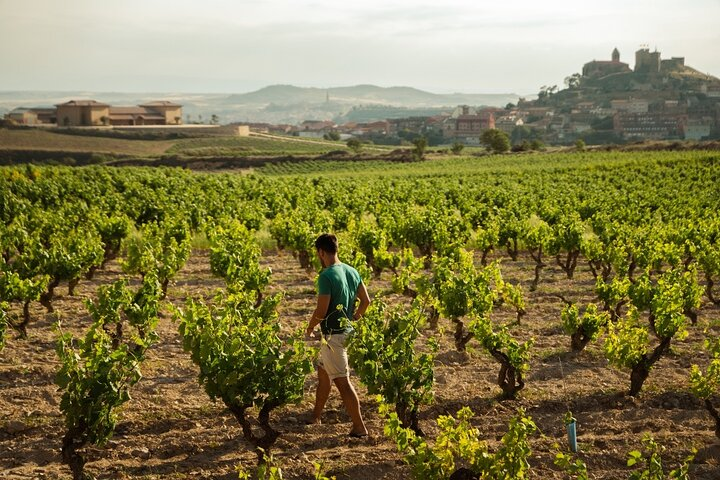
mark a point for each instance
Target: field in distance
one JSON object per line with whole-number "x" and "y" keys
{"x": 196, "y": 147}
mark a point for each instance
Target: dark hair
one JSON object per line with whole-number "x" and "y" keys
{"x": 327, "y": 242}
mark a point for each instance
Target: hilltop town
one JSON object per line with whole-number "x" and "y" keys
{"x": 608, "y": 102}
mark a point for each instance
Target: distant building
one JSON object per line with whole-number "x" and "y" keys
{"x": 171, "y": 112}
{"x": 82, "y": 113}
{"x": 653, "y": 126}
{"x": 360, "y": 129}
{"x": 416, "y": 125}
{"x": 315, "y": 128}
{"x": 583, "y": 107}
{"x": 603, "y": 68}
{"x": 711, "y": 90}
{"x": 675, "y": 63}
{"x": 381, "y": 127}
{"x": 632, "y": 105}
{"x": 32, "y": 116}
{"x": 258, "y": 127}
{"x": 466, "y": 125}
{"x": 650, "y": 62}
{"x": 434, "y": 124}
{"x": 675, "y": 107}
{"x": 507, "y": 123}
{"x": 698, "y": 129}
{"x": 87, "y": 113}
{"x": 539, "y": 112}
{"x": 647, "y": 61}
{"x": 134, "y": 116}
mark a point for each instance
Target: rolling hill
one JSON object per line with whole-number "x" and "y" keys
{"x": 275, "y": 103}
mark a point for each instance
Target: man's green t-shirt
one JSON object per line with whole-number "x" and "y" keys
{"x": 341, "y": 282}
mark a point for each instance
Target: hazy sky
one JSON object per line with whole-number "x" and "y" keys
{"x": 498, "y": 46}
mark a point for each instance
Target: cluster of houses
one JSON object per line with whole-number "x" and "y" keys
{"x": 643, "y": 113}
{"x": 465, "y": 124}
{"x": 658, "y": 114}
{"x": 627, "y": 118}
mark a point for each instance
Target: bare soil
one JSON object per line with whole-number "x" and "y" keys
{"x": 170, "y": 428}
{"x": 41, "y": 140}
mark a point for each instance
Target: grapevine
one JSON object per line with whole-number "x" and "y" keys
{"x": 97, "y": 373}
{"x": 458, "y": 443}
{"x": 706, "y": 385}
{"x": 383, "y": 354}
{"x": 583, "y": 328}
{"x": 243, "y": 361}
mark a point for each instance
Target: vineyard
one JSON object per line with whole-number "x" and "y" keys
{"x": 255, "y": 145}
{"x": 152, "y": 319}
{"x": 199, "y": 145}
{"x": 48, "y": 140}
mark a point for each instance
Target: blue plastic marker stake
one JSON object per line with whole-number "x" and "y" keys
{"x": 572, "y": 435}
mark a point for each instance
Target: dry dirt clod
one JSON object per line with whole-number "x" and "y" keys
{"x": 141, "y": 452}
{"x": 13, "y": 427}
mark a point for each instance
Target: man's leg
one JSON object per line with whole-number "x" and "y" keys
{"x": 321, "y": 394}
{"x": 352, "y": 404}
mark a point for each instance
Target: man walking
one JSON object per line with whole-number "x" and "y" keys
{"x": 339, "y": 286}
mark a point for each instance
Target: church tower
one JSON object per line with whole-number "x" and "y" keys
{"x": 616, "y": 55}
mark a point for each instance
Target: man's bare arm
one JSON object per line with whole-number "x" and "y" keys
{"x": 323, "y": 303}
{"x": 364, "y": 297}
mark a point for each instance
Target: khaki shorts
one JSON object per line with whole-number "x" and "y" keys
{"x": 333, "y": 355}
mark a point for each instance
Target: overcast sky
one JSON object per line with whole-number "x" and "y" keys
{"x": 499, "y": 46}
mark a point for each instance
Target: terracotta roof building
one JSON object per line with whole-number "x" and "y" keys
{"x": 466, "y": 125}
{"x": 87, "y": 113}
{"x": 32, "y": 116}
{"x": 602, "y": 68}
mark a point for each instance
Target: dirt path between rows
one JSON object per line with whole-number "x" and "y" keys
{"x": 170, "y": 428}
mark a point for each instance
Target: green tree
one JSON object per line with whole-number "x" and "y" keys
{"x": 546, "y": 91}
{"x": 354, "y": 144}
{"x": 495, "y": 140}
{"x": 573, "y": 81}
{"x": 537, "y": 145}
{"x": 420, "y": 144}
{"x": 522, "y": 132}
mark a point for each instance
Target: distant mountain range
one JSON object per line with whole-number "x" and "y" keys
{"x": 368, "y": 94}
{"x": 280, "y": 103}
